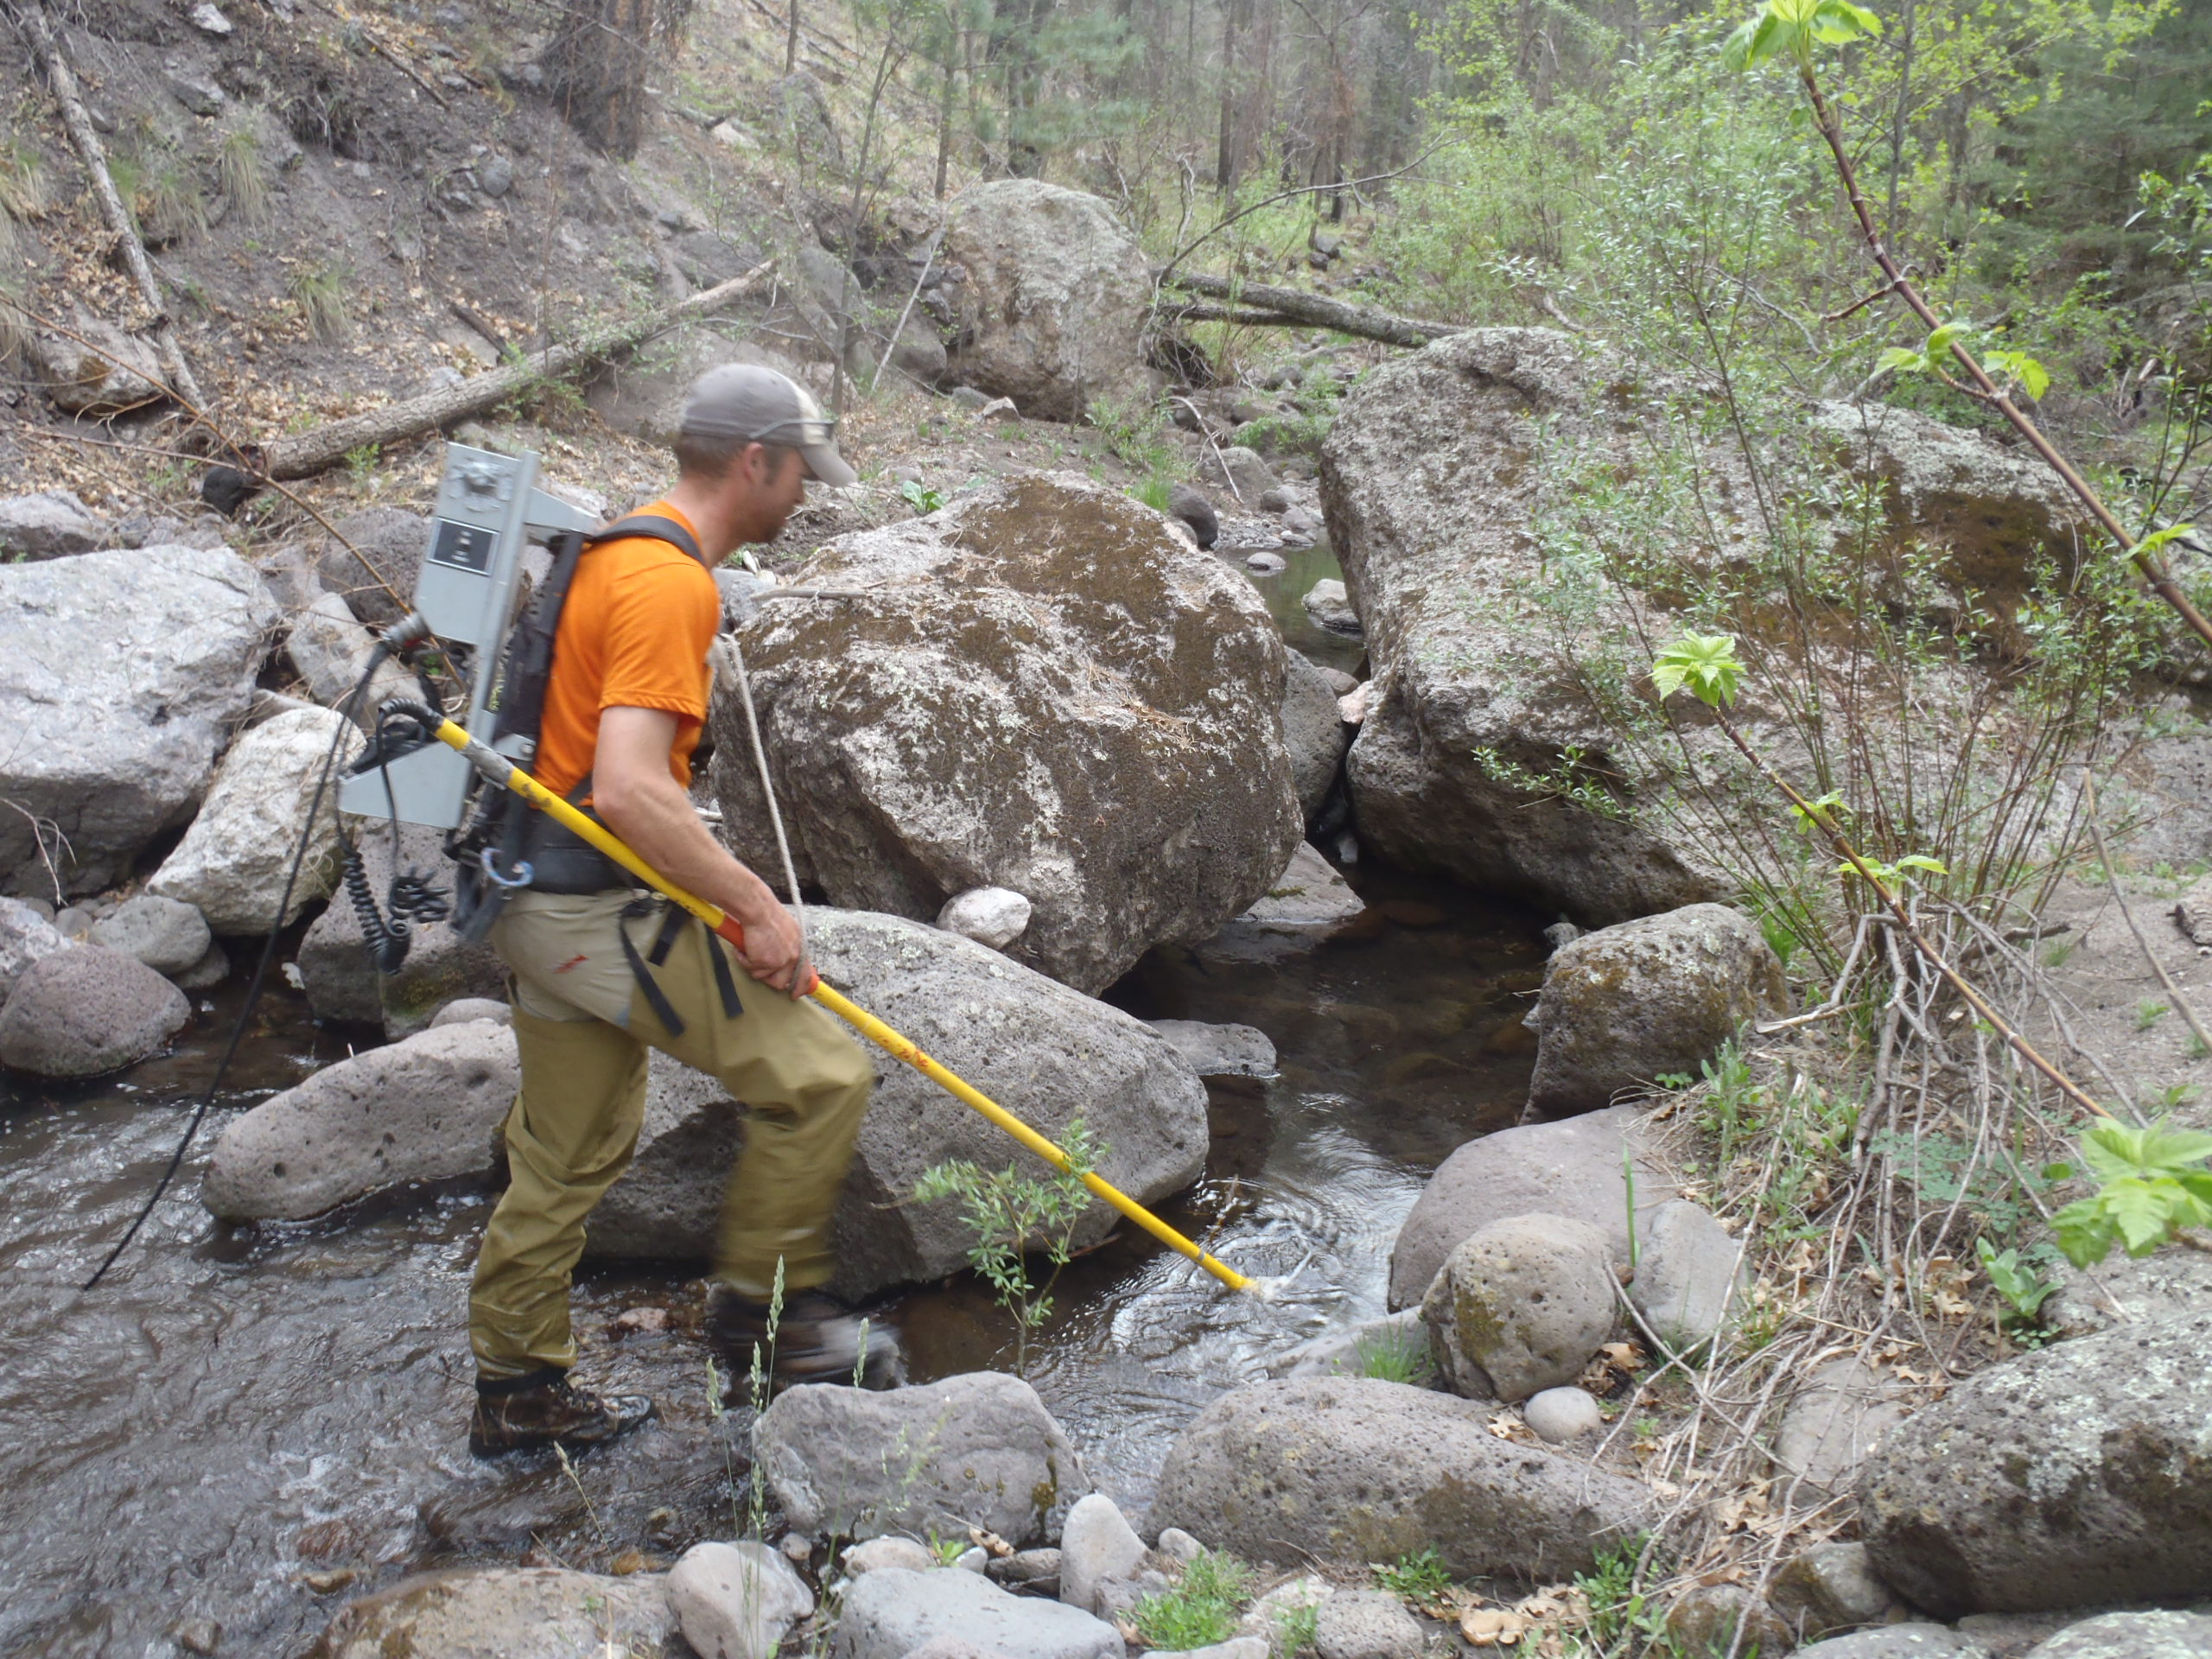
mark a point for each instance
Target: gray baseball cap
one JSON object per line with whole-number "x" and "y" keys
{"x": 744, "y": 400}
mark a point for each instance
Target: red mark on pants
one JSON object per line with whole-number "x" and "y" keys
{"x": 573, "y": 962}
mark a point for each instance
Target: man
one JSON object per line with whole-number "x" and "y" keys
{"x": 601, "y": 972}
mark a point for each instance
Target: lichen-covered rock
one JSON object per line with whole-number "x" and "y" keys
{"x": 544, "y": 1612}
{"x": 975, "y": 1450}
{"x": 2078, "y": 1474}
{"x": 233, "y": 862}
{"x": 1351, "y": 1470}
{"x": 1029, "y": 1041}
{"x": 1633, "y": 1001}
{"x": 122, "y": 675}
{"x": 1520, "y": 1305}
{"x": 1915, "y": 1641}
{"x": 86, "y": 1011}
{"x": 1313, "y": 730}
{"x": 1828, "y": 1587}
{"x": 1043, "y": 691}
{"x": 1571, "y": 1168}
{"x": 1052, "y": 309}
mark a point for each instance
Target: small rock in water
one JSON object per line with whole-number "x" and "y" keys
{"x": 1325, "y": 603}
{"x": 1220, "y": 1051}
{"x": 201, "y": 1636}
{"x": 83, "y": 1011}
{"x": 1563, "y": 1414}
{"x": 1097, "y": 1544}
{"x": 879, "y": 1552}
{"x": 735, "y": 1601}
{"x": 168, "y": 935}
{"x": 1366, "y": 1624}
{"x": 797, "y": 1550}
{"x": 210, "y": 969}
{"x": 1265, "y": 564}
{"x": 993, "y": 916}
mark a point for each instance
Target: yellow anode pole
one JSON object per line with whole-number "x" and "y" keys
{"x": 501, "y": 771}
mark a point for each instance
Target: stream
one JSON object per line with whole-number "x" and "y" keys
{"x": 245, "y": 1427}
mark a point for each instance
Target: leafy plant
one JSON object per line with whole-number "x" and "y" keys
{"x": 919, "y": 497}
{"x": 1792, "y": 27}
{"x": 1297, "y": 1630}
{"x": 1704, "y": 664}
{"x": 2022, "y": 1287}
{"x": 361, "y": 462}
{"x": 1008, "y": 1213}
{"x": 2149, "y": 1012}
{"x": 1420, "y": 1579}
{"x": 1153, "y": 489}
{"x": 1201, "y": 1608}
{"x": 2154, "y": 1184}
{"x": 1393, "y": 1355}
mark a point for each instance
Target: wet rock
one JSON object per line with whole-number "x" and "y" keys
{"x": 340, "y": 980}
{"x": 1899, "y": 1642}
{"x": 2169, "y": 1634}
{"x": 1828, "y": 1587}
{"x": 25, "y": 938}
{"x": 1832, "y": 1424}
{"x": 423, "y": 1109}
{"x": 168, "y": 935}
{"x": 463, "y": 1010}
{"x": 1219, "y": 1051}
{"x": 874, "y": 1553}
{"x": 1266, "y": 564}
{"x": 992, "y": 916}
{"x": 2073, "y": 1475}
{"x": 1047, "y": 693}
{"x": 977, "y": 1449}
{"x": 890, "y": 1615}
{"x": 48, "y": 525}
{"x": 1097, "y": 1543}
{"x": 1688, "y": 1268}
{"x": 1571, "y": 1168}
{"x": 234, "y": 860}
{"x": 546, "y": 1612}
{"x": 1708, "y": 1618}
{"x": 1350, "y": 1470}
{"x": 1630, "y": 1003}
{"x": 1312, "y": 730}
{"x": 1192, "y": 507}
{"x": 96, "y": 369}
{"x": 1561, "y": 1414}
{"x": 87, "y": 1011}
{"x": 1520, "y": 1305}
{"x": 385, "y": 557}
{"x": 735, "y": 1601}
{"x": 1309, "y": 904}
{"x": 1366, "y": 1624}
{"x": 1326, "y": 603}
{"x": 121, "y": 674}
{"x": 1015, "y": 1034}
{"x": 1051, "y": 313}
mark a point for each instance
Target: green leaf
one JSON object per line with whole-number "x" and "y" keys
{"x": 1940, "y": 340}
{"x": 1921, "y": 862}
{"x": 1706, "y": 664}
{"x": 2034, "y": 378}
{"x": 2084, "y": 1232}
{"x": 2159, "y": 538}
{"x": 2142, "y": 1213}
{"x": 1829, "y": 805}
{"x": 1902, "y": 359}
{"x": 1736, "y": 50}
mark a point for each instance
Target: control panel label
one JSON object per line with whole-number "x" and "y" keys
{"x": 464, "y": 547}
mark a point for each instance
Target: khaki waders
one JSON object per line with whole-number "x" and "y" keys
{"x": 582, "y": 1025}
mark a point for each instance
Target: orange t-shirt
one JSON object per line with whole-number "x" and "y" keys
{"x": 634, "y": 633}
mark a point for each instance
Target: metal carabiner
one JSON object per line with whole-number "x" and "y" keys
{"x": 521, "y": 878}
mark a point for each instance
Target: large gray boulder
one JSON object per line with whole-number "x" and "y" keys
{"x": 1640, "y": 999}
{"x": 1351, "y": 1470}
{"x": 1044, "y": 690}
{"x": 122, "y": 675}
{"x": 1038, "y": 1048}
{"x": 893, "y": 1612}
{"x": 2072, "y": 1475}
{"x": 475, "y": 1613}
{"x": 233, "y": 862}
{"x": 168, "y": 935}
{"x": 1312, "y": 729}
{"x": 342, "y": 983}
{"x": 25, "y": 936}
{"x": 1053, "y": 309}
{"x": 48, "y": 525}
{"x": 1572, "y": 1168}
{"x": 1520, "y": 1305}
{"x": 423, "y": 1110}
{"x": 86, "y": 1011}
{"x": 975, "y": 1450}
{"x": 1495, "y": 659}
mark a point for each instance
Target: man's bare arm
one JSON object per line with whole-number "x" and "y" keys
{"x": 640, "y": 800}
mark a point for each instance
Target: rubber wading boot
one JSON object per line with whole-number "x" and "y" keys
{"x": 545, "y": 1408}
{"x": 815, "y": 1338}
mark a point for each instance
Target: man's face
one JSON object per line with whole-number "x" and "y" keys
{"x": 770, "y": 484}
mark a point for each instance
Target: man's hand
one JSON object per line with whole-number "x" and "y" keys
{"x": 640, "y": 800}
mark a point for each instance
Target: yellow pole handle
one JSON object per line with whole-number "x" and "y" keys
{"x": 501, "y": 770}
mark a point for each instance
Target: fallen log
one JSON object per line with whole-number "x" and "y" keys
{"x": 1298, "y": 308}
{"x": 311, "y": 452}
{"x": 30, "y": 16}
{"x": 1244, "y": 316}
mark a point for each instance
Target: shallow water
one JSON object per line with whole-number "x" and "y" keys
{"x": 248, "y": 1426}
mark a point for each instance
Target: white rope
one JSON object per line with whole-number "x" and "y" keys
{"x": 801, "y": 975}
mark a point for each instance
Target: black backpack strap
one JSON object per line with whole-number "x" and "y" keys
{"x": 528, "y": 668}
{"x": 653, "y": 526}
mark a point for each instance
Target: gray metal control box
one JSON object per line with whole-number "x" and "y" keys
{"x": 489, "y": 511}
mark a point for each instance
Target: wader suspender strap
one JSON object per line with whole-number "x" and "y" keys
{"x": 672, "y": 923}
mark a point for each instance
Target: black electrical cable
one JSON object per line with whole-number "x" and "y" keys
{"x": 260, "y": 971}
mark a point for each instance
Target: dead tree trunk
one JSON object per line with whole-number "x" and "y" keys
{"x": 311, "y": 452}
{"x": 30, "y": 16}
{"x": 1288, "y": 307}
